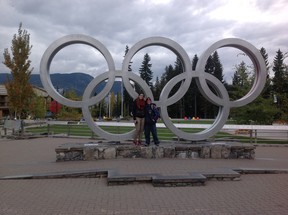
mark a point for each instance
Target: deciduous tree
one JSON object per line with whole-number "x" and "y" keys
{"x": 19, "y": 90}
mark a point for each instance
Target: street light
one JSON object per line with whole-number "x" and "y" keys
{"x": 122, "y": 99}
{"x": 274, "y": 98}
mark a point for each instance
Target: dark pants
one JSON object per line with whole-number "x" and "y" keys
{"x": 151, "y": 128}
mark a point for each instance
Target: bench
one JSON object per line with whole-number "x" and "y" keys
{"x": 15, "y": 126}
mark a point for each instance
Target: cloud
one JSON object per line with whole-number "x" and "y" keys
{"x": 195, "y": 25}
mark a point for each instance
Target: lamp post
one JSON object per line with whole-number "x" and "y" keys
{"x": 109, "y": 105}
{"x": 274, "y": 98}
{"x": 195, "y": 106}
{"x": 122, "y": 99}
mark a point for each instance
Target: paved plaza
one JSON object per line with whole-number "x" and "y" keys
{"x": 253, "y": 194}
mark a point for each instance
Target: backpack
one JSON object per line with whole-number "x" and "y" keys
{"x": 156, "y": 112}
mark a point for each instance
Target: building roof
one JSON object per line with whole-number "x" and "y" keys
{"x": 38, "y": 90}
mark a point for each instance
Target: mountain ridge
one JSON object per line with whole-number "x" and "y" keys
{"x": 70, "y": 81}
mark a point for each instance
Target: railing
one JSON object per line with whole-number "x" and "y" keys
{"x": 253, "y": 132}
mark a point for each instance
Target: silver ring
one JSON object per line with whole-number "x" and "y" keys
{"x": 203, "y": 80}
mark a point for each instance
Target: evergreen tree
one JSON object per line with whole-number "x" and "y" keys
{"x": 20, "y": 92}
{"x": 190, "y": 98}
{"x": 240, "y": 81}
{"x": 178, "y": 69}
{"x": 194, "y": 96}
{"x": 126, "y": 51}
{"x": 169, "y": 74}
{"x": 209, "y": 67}
{"x": 279, "y": 73}
{"x": 218, "y": 68}
{"x": 178, "y": 66}
{"x": 260, "y": 111}
{"x": 213, "y": 67}
{"x": 194, "y": 62}
{"x": 127, "y": 100}
{"x": 280, "y": 85}
{"x": 145, "y": 70}
{"x": 241, "y": 75}
{"x": 157, "y": 89}
{"x": 266, "y": 93}
{"x": 164, "y": 77}
{"x": 265, "y": 56}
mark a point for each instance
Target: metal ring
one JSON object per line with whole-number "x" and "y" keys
{"x": 87, "y": 95}
{"x": 169, "y": 44}
{"x": 59, "y": 44}
{"x": 204, "y": 82}
{"x": 254, "y": 55}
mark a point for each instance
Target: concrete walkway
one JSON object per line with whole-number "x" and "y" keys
{"x": 253, "y": 194}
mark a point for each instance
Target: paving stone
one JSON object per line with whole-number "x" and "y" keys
{"x": 222, "y": 175}
{"x": 193, "y": 179}
{"x": 254, "y": 194}
{"x": 119, "y": 179}
{"x": 260, "y": 171}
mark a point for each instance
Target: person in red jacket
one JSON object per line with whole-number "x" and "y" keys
{"x": 139, "y": 118}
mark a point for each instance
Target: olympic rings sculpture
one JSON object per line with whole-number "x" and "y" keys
{"x": 221, "y": 98}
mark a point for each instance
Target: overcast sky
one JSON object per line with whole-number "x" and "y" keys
{"x": 195, "y": 25}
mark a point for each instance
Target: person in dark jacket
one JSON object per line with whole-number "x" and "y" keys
{"x": 139, "y": 118}
{"x": 151, "y": 117}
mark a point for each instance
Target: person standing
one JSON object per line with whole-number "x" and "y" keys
{"x": 139, "y": 118}
{"x": 151, "y": 117}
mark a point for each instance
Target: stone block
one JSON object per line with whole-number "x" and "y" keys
{"x": 91, "y": 153}
{"x": 248, "y": 154}
{"x": 120, "y": 152}
{"x": 216, "y": 151}
{"x": 225, "y": 153}
{"x": 181, "y": 154}
{"x": 146, "y": 152}
{"x": 73, "y": 156}
{"x": 252, "y": 154}
{"x": 60, "y": 156}
{"x": 181, "y": 148}
{"x": 131, "y": 152}
{"x": 158, "y": 152}
{"x": 101, "y": 151}
{"x": 109, "y": 153}
{"x": 233, "y": 154}
{"x": 205, "y": 152}
{"x": 169, "y": 152}
{"x": 194, "y": 155}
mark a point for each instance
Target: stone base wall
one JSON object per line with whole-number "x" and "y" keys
{"x": 95, "y": 151}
